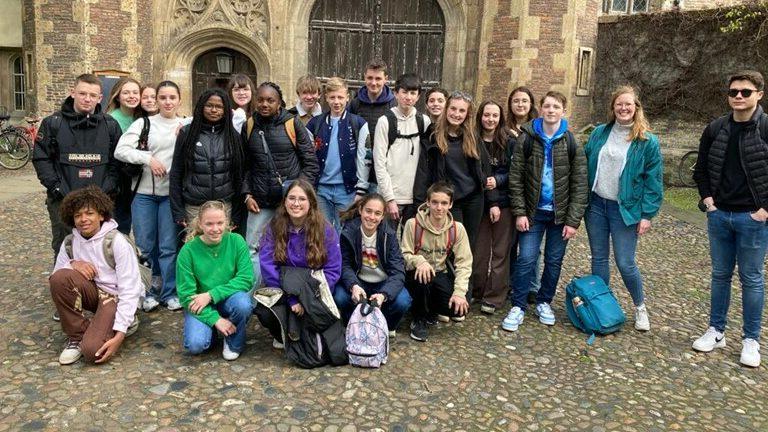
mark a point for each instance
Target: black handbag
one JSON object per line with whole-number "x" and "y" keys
{"x": 134, "y": 170}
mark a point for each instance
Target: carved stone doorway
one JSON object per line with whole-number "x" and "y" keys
{"x": 215, "y": 67}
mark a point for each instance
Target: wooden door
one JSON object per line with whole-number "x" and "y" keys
{"x": 407, "y": 34}
{"x": 207, "y": 72}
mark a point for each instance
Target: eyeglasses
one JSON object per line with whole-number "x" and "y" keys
{"x": 211, "y": 107}
{"x": 296, "y": 200}
{"x": 744, "y": 92}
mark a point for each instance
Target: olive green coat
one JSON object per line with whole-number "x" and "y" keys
{"x": 571, "y": 188}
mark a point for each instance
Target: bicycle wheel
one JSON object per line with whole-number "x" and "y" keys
{"x": 686, "y": 167}
{"x": 15, "y": 151}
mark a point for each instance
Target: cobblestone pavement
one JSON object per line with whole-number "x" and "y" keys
{"x": 468, "y": 376}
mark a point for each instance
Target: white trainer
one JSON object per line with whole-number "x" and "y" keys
{"x": 71, "y": 353}
{"x": 710, "y": 340}
{"x": 642, "y": 323}
{"x": 173, "y": 304}
{"x": 228, "y": 354}
{"x": 149, "y": 304}
{"x": 750, "y": 353}
{"x": 276, "y": 344}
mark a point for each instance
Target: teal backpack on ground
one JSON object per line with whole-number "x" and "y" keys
{"x": 592, "y": 307}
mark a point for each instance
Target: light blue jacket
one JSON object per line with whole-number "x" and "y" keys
{"x": 641, "y": 184}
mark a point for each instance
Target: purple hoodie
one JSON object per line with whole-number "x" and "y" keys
{"x": 297, "y": 257}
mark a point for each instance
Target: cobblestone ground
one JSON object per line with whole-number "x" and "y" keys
{"x": 468, "y": 376}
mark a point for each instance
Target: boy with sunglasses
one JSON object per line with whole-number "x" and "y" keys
{"x": 732, "y": 178}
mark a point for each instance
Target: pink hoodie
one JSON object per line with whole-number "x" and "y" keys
{"x": 122, "y": 281}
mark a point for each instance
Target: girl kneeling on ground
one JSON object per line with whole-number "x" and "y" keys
{"x": 372, "y": 264}
{"x": 213, "y": 277}
{"x": 298, "y": 237}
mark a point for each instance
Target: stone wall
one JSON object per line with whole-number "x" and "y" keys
{"x": 678, "y": 60}
{"x": 70, "y": 38}
{"x": 536, "y": 43}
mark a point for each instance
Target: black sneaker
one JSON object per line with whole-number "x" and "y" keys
{"x": 487, "y": 308}
{"x": 55, "y": 316}
{"x": 431, "y": 320}
{"x": 419, "y": 330}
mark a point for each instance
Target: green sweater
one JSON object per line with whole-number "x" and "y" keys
{"x": 220, "y": 270}
{"x": 123, "y": 120}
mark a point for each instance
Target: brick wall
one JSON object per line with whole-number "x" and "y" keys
{"x": 70, "y": 38}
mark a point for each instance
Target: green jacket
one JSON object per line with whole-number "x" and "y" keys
{"x": 571, "y": 192}
{"x": 641, "y": 184}
{"x": 220, "y": 270}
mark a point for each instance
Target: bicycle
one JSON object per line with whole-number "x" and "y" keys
{"x": 686, "y": 167}
{"x": 31, "y": 130}
{"x": 15, "y": 149}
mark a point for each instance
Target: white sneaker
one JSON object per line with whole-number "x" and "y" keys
{"x": 392, "y": 333}
{"x": 443, "y": 318}
{"x": 276, "y": 344}
{"x": 513, "y": 319}
{"x": 642, "y": 323}
{"x": 173, "y": 304}
{"x": 71, "y": 353}
{"x": 710, "y": 340}
{"x": 228, "y": 354}
{"x": 750, "y": 353}
{"x": 149, "y": 304}
{"x": 546, "y": 316}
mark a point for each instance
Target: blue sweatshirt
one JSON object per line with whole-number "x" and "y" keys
{"x": 546, "y": 199}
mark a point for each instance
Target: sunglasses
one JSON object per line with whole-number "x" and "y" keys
{"x": 461, "y": 95}
{"x": 744, "y": 92}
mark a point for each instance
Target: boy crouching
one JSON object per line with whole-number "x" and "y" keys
{"x": 83, "y": 280}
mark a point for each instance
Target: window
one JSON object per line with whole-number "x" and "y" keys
{"x": 625, "y": 6}
{"x": 584, "y": 72}
{"x": 19, "y": 85}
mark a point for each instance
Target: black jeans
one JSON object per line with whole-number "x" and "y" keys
{"x": 58, "y": 229}
{"x": 430, "y": 299}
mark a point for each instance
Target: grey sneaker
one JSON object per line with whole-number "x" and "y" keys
{"x": 71, "y": 353}
{"x": 149, "y": 304}
{"x": 134, "y": 327}
{"x": 173, "y": 304}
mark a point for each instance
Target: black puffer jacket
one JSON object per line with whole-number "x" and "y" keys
{"x": 261, "y": 180}
{"x": 211, "y": 176}
{"x": 753, "y": 150}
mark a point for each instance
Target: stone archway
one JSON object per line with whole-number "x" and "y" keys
{"x": 179, "y": 63}
{"x": 215, "y": 68}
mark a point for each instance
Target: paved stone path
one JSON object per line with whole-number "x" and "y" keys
{"x": 469, "y": 376}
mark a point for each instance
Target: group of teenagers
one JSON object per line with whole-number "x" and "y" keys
{"x": 248, "y": 208}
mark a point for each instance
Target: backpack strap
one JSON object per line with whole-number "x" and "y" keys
{"x": 420, "y": 123}
{"x": 107, "y": 248}
{"x": 68, "y": 246}
{"x": 451, "y": 237}
{"x": 249, "y": 128}
{"x": 418, "y": 234}
{"x": 290, "y": 129}
{"x": 392, "y": 123}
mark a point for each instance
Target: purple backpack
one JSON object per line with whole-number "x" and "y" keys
{"x": 367, "y": 336}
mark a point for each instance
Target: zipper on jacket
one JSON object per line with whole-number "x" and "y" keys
{"x": 270, "y": 158}
{"x": 744, "y": 166}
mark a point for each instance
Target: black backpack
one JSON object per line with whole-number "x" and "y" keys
{"x": 394, "y": 134}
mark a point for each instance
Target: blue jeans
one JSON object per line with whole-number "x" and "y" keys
{"x": 736, "y": 237}
{"x": 332, "y": 199}
{"x": 393, "y": 310}
{"x": 155, "y": 233}
{"x": 237, "y": 308}
{"x": 605, "y": 227}
{"x": 554, "y": 252}
{"x": 254, "y": 229}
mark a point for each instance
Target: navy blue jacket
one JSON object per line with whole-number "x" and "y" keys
{"x": 390, "y": 257}
{"x": 349, "y": 129}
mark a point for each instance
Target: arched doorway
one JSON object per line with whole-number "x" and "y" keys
{"x": 214, "y": 68}
{"x": 345, "y": 34}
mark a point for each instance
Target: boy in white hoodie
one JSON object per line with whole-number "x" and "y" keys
{"x": 85, "y": 280}
{"x": 395, "y": 158}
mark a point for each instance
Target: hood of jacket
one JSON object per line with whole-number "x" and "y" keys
{"x": 79, "y": 120}
{"x": 106, "y": 227}
{"x": 385, "y": 97}
{"x": 281, "y": 117}
{"x": 422, "y": 216}
{"x": 537, "y": 129}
